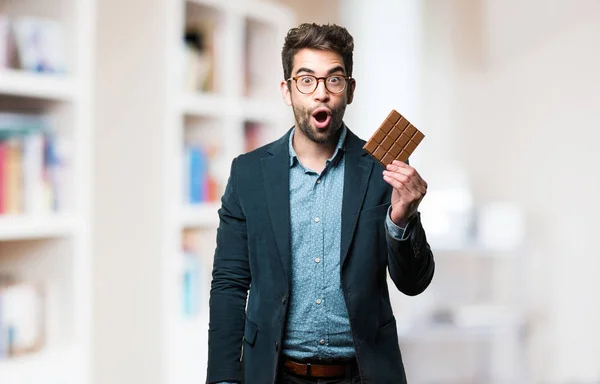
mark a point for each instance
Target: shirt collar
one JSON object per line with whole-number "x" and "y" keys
{"x": 338, "y": 149}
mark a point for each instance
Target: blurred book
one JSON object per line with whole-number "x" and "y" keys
{"x": 22, "y": 315}
{"x": 196, "y": 270}
{"x": 32, "y": 166}
{"x": 200, "y": 183}
{"x": 191, "y": 282}
{"x": 39, "y": 44}
{"x": 199, "y": 57}
{"x": 255, "y": 135}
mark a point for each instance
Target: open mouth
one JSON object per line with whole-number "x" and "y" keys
{"x": 322, "y": 116}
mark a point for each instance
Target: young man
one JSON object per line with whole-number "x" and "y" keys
{"x": 310, "y": 225}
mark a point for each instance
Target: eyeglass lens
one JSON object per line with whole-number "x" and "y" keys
{"x": 309, "y": 83}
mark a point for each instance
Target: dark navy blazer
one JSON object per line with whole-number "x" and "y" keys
{"x": 252, "y": 261}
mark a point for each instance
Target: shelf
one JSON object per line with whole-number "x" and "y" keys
{"x": 54, "y": 367}
{"x": 201, "y": 215}
{"x": 264, "y": 111}
{"x": 202, "y": 104}
{"x": 36, "y": 85}
{"x": 23, "y": 227}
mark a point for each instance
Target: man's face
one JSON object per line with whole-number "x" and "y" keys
{"x": 318, "y": 115}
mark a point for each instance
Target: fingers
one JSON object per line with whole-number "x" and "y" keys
{"x": 407, "y": 176}
{"x": 399, "y": 186}
{"x": 402, "y": 184}
{"x": 407, "y": 170}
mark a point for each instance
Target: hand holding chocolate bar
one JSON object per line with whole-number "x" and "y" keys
{"x": 391, "y": 145}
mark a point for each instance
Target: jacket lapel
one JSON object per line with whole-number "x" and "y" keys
{"x": 276, "y": 176}
{"x": 356, "y": 177}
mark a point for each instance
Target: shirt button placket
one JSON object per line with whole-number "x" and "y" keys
{"x": 319, "y": 248}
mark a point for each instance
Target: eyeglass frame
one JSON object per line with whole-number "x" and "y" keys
{"x": 324, "y": 78}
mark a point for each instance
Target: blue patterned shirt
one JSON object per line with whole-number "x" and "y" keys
{"x": 317, "y": 323}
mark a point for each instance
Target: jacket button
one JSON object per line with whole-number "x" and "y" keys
{"x": 276, "y": 346}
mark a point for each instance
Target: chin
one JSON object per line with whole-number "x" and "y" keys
{"x": 321, "y": 136}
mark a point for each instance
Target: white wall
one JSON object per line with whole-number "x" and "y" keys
{"x": 528, "y": 132}
{"x": 508, "y": 90}
{"x": 128, "y": 185}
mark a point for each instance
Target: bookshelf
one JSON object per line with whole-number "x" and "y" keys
{"x": 36, "y": 227}
{"x": 241, "y": 110}
{"x": 164, "y": 126}
{"x": 45, "y": 254}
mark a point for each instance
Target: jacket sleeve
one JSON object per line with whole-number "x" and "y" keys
{"x": 411, "y": 262}
{"x": 229, "y": 288}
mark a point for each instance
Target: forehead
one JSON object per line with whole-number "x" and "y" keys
{"x": 317, "y": 60}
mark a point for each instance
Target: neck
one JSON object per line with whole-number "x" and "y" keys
{"x": 311, "y": 154}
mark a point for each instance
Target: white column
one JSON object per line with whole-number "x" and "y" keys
{"x": 404, "y": 61}
{"x": 386, "y": 61}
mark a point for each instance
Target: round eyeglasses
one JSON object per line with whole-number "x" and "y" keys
{"x": 308, "y": 83}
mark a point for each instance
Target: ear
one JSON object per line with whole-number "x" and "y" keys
{"x": 350, "y": 91}
{"x": 285, "y": 92}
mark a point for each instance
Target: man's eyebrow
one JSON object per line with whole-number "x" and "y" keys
{"x": 338, "y": 68}
{"x": 304, "y": 69}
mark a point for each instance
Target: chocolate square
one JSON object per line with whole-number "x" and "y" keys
{"x": 396, "y": 142}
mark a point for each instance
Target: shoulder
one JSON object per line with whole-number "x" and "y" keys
{"x": 254, "y": 158}
{"x": 255, "y": 155}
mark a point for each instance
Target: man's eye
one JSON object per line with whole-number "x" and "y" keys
{"x": 334, "y": 79}
{"x": 306, "y": 80}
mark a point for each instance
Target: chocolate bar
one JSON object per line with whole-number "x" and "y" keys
{"x": 395, "y": 139}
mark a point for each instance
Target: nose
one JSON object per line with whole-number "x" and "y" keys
{"x": 321, "y": 93}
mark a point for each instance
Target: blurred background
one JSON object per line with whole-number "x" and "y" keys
{"x": 119, "y": 119}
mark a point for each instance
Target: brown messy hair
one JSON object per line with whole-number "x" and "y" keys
{"x": 329, "y": 37}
